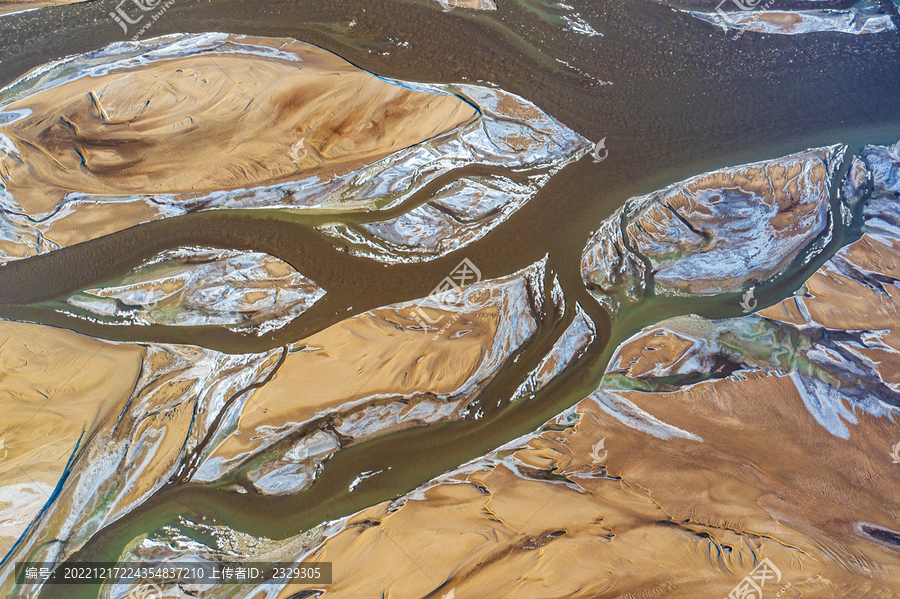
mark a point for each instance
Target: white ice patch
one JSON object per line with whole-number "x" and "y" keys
{"x": 830, "y": 407}
{"x": 19, "y": 504}
{"x": 630, "y": 415}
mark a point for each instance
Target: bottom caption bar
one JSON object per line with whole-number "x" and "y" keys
{"x": 174, "y": 572}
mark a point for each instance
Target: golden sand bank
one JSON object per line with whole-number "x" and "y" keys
{"x": 57, "y": 389}
{"x": 11, "y": 6}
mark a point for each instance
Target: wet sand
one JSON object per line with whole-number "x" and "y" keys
{"x": 672, "y": 112}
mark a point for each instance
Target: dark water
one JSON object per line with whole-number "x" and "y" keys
{"x": 682, "y": 99}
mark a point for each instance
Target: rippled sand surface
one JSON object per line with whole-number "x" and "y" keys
{"x": 234, "y": 118}
{"x": 97, "y": 151}
{"x": 710, "y": 448}
{"x": 96, "y": 143}
{"x": 57, "y": 389}
{"x": 686, "y": 392}
{"x": 13, "y": 6}
{"x": 380, "y": 372}
{"x": 670, "y": 515}
{"x": 712, "y": 445}
{"x": 136, "y": 417}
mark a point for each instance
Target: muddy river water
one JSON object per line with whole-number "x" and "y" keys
{"x": 672, "y": 97}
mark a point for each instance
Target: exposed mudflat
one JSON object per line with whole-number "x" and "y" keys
{"x": 191, "y": 286}
{"x": 469, "y": 298}
{"x": 714, "y": 233}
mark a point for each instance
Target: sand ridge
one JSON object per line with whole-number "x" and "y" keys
{"x": 235, "y": 118}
